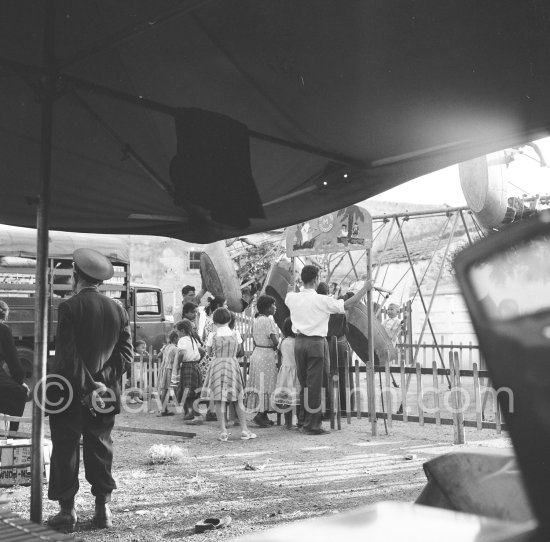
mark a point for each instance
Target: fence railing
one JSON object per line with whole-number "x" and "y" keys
{"x": 423, "y": 393}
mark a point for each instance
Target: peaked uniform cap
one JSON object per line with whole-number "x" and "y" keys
{"x": 92, "y": 265}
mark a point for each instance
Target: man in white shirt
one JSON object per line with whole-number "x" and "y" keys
{"x": 310, "y": 312}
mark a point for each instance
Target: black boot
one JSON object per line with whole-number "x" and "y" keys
{"x": 211, "y": 416}
{"x": 102, "y": 518}
{"x": 65, "y": 520}
{"x": 288, "y": 419}
{"x": 260, "y": 420}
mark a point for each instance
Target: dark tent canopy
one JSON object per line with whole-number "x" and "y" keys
{"x": 342, "y": 100}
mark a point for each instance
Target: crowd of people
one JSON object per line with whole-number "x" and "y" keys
{"x": 288, "y": 370}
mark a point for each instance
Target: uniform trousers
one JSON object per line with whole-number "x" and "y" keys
{"x": 311, "y": 355}
{"x": 97, "y": 446}
{"x": 13, "y": 397}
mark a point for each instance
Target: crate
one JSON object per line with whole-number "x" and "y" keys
{"x": 15, "y": 462}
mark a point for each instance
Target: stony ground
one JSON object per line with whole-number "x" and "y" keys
{"x": 280, "y": 477}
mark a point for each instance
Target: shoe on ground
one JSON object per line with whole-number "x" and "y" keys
{"x": 166, "y": 413}
{"x": 103, "y": 518}
{"x": 209, "y": 524}
{"x": 316, "y": 432}
{"x": 132, "y": 402}
{"x": 269, "y": 422}
{"x": 138, "y": 400}
{"x": 64, "y": 521}
{"x": 211, "y": 417}
{"x": 247, "y": 435}
{"x": 189, "y": 416}
{"x": 194, "y": 421}
{"x": 260, "y": 421}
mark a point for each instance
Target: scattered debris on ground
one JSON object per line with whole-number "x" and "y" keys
{"x": 161, "y": 453}
{"x": 290, "y": 477}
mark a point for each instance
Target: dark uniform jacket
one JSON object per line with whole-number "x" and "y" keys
{"x": 93, "y": 333}
{"x": 12, "y": 394}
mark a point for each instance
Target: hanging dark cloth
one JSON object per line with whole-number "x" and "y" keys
{"x": 212, "y": 167}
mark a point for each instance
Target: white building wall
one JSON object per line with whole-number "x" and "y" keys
{"x": 451, "y": 324}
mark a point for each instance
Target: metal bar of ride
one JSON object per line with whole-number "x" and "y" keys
{"x": 384, "y": 249}
{"x": 42, "y": 224}
{"x": 438, "y": 279}
{"x": 349, "y": 272}
{"x": 441, "y": 211}
{"x": 353, "y": 267}
{"x": 432, "y": 257}
{"x": 466, "y": 228}
{"x": 420, "y": 294}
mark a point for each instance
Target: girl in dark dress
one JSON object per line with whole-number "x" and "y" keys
{"x": 13, "y": 392}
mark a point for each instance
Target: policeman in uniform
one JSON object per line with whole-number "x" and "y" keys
{"x": 93, "y": 349}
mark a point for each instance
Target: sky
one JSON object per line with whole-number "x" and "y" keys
{"x": 523, "y": 175}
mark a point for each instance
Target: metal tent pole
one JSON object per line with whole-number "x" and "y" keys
{"x": 371, "y": 385}
{"x": 42, "y": 223}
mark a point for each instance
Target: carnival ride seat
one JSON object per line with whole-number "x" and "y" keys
{"x": 486, "y": 482}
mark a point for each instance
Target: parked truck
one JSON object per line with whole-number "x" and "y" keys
{"x": 144, "y": 303}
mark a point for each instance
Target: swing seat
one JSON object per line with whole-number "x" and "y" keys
{"x": 357, "y": 335}
{"x": 486, "y": 482}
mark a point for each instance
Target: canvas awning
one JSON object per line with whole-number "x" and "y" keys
{"x": 382, "y": 92}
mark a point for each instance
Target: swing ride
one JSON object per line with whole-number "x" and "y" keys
{"x": 486, "y": 183}
{"x": 490, "y": 207}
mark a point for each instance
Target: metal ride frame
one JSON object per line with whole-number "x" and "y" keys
{"x": 454, "y": 216}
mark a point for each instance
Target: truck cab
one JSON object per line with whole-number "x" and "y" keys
{"x": 146, "y": 312}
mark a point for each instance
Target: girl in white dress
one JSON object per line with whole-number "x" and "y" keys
{"x": 287, "y": 393}
{"x": 262, "y": 378}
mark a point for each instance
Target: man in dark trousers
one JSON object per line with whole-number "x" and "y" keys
{"x": 310, "y": 312}
{"x": 93, "y": 349}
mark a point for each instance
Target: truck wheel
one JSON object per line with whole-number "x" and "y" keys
{"x": 26, "y": 358}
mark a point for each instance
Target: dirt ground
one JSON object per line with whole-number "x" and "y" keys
{"x": 296, "y": 477}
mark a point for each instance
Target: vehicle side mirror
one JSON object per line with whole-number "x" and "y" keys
{"x": 505, "y": 280}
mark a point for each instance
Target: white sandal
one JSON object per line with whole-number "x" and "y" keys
{"x": 247, "y": 435}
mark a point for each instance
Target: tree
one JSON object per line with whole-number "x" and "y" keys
{"x": 253, "y": 260}
{"x": 354, "y": 215}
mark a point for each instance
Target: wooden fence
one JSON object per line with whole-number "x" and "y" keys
{"x": 423, "y": 393}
